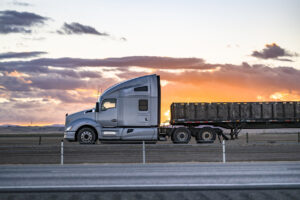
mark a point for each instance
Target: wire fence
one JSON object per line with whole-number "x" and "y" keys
{"x": 52, "y": 150}
{"x": 55, "y": 138}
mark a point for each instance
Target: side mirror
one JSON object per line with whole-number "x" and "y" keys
{"x": 97, "y": 107}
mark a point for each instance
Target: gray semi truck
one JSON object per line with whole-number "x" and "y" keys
{"x": 130, "y": 112}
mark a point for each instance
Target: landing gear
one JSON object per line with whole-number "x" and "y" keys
{"x": 235, "y": 130}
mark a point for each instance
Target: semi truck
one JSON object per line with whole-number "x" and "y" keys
{"x": 130, "y": 111}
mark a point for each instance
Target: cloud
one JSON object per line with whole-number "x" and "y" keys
{"x": 56, "y": 82}
{"x": 9, "y": 55}
{"x": 76, "y": 28}
{"x": 70, "y": 73}
{"x": 19, "y": 3}
{"x": 142, "y": 61}
{"x": 243, "y": 76}
{"x": 13, "y": 84}
{"x": 273, "y": 51}
{"x": 12, "y": 21}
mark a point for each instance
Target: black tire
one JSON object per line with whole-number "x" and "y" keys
{"x": 181, "y": 136}
{"x": 206, "y": 135}
{"x": 86, "y": 135}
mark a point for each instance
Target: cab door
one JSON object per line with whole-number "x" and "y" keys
{"x": 108, "y": 114}
{"x": 143, "y": 112}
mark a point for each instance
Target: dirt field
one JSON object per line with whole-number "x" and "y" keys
{"x": 33, "y": 149}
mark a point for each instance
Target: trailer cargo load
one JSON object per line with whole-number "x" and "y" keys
{"x": 246, "y": 114}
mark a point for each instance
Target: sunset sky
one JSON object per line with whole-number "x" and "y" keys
{"x": 57, "y": 56}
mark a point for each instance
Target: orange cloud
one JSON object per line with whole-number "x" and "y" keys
{"x": 17, "y": 74}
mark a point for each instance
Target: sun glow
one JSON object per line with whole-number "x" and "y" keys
{"x": 276, "y": 96}
{"x": 285, "y": 96}
{"x": 163, "y": 83}
{"x": 3, "y": 100}
{"x": 89, "y": 92}
{"x": 167, "y": 115}
{"x": 141, "y": 69}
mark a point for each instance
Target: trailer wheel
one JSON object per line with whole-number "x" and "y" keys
{"x": 86, "y": 135}
{"x": 206, "y": 135}
{"x": 181, "y": 135}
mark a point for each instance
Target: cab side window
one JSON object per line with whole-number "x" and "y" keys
{"x": 108, "y": 103}
{"x": 143, "y": 105}
{"x": 141, "y": 89}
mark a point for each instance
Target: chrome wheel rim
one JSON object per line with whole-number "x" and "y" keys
{"x": 86, "y": 137}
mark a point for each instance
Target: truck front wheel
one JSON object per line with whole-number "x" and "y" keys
{"x": 206, "y": 135}
{"x": 181, "y": 135}
{"x": 86, "y": 135}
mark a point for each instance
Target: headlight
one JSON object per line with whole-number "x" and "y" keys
{"x": 69, "y": 128}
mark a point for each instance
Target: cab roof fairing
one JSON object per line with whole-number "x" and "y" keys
{"x": 123, "y": 85}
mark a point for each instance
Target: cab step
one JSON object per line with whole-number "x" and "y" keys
{"x": 162, "y": 138}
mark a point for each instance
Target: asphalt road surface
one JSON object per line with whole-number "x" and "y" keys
{"x": 269, "y": 180}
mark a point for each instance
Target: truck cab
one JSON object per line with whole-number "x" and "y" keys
{"x": 128, "y": 111}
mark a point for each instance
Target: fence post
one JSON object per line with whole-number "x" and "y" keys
{"x": 40, "y": 140}
{"x": 224, "y": 155}
{"x": 247, "y": 138}
{"x": 62, "y": 152}
{"x": 144, "y": 153}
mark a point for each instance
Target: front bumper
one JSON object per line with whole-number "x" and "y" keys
{"x": 69, "y": 135}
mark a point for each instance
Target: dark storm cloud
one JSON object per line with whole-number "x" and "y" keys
{"x": 12, "y": 21}
{"x": 273, "y": 51}
{"x": 76, "y": 28}
{"x": 9, "y": 55}
{"x": 141, "y": 61}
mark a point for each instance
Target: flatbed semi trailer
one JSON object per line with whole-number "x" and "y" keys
{"x": 130, "y": 111}
{"x": 237, "y": 115}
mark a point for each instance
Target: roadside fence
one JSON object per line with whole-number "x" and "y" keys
{"x": 49, "y": 148}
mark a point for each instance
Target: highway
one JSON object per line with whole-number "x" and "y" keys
{"x": 259, "y": 180}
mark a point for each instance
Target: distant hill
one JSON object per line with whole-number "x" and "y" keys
{"x": 13, "y": 125}
{"x": 8, "y": 125}
{"x": 57, "y": 125}
{"x": 57, "y": 128}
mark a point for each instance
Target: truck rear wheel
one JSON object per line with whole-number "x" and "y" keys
{"x": 181, "y": 135}
{"x": 86, "y": 135}
{"x": 206, "y": 135}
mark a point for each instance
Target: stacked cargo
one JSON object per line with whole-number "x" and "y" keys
{"x": 235, "y": 112}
